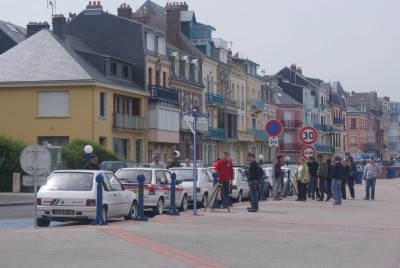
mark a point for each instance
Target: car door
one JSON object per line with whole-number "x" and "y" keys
{"x": 208, "y": 180}
{"x": 242, "y": 180}
{"x": 121, "y": 200}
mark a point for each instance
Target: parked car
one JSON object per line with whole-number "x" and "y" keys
{"x": 157, "y": 188}
{"x": 239, "y": 188}
{"x": 204, "y": 184}
{"x": 115, "y": 165}
{"x": 72, "y": 195}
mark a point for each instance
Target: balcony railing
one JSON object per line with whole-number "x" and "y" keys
{"x": 132, "y": 122}
{"x": 371, "y": 146}
{"x": 323, "y": 128}
{"x": 214, "y": 99}
{"x": 259, "y": 134}
{"x": 380, "y": 131}
{"x": 324, "y": 148}
{"x": 257, "y": 105}
{"x": 283, "y": 146}
{"x": 291, "y": 123}
{"x": 245, "y": 136}
{"x": 216, "y": 133}
{"x": 338, "y": 121}
{"x": 165, "y": 94}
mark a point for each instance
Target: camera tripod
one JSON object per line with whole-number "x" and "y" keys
{"x": 288, "y": 185}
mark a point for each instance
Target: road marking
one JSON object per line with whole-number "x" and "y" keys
{"x": 168, "y": 251}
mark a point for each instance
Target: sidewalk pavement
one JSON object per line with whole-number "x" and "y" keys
{"x": 360, "y": 233}
{"x": 16, "y": 199}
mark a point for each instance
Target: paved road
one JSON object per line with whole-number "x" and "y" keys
{"x": 282, "y": 234}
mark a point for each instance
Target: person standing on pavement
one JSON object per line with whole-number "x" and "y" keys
{"x": 93, "y": 164}
{"x": 337, "y": 177}
{"x": 351, "y": 176}
{"x": 329, "y": 178}
{"x": 278, "y": 175}
{"x": 302, "y": 178}
{"x": 371, "y": 173}
{"x": 224, "y": 168}
{"x": 345, "y": 178}
{"x": 174, "y": 162}
{"x": 254, "y": 174}
{"x": 322, "y": 174}
{"x": 312, "y": 185}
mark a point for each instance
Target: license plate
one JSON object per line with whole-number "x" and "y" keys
{"x": 63, "y": 212}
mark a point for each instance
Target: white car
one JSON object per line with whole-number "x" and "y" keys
{"x": 239, "y": 188}
{"x": 72, "y": 195}
{"x": 157, "y": 188}
{"x": 204, "y": 184}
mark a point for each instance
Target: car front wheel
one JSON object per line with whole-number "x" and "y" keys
{"x": 240, "y": 197}
{"x": 204, "y": 200}
{"x": 184, "y": 204}
{"x": 42, "y": 222}
{"x": 132, "y": 212}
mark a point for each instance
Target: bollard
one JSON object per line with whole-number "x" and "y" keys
{"x": 215, "y": 176}
{"x": 172, "y": 211}
{"x": 99, "y": 202}
{"x": 140, "y": 215}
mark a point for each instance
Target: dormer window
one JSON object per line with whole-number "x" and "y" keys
{"x": 185, "y": 66}
{"x": 161, "y": 45}
{"x": 194, "y": 70}
{"x": 113, "y": 68}
{"x": 175, "y": 63}
{"x": 125, "y": 71}
{"x": 150, "y": 41}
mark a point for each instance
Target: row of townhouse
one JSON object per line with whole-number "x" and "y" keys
{"x": 124, "y": 81}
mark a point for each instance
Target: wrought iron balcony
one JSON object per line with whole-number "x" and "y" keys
{"x": 371, "y": 146}
{"x": 216, "y": 133}
{"x": 283, "y": 146}
{"x": 214, "y": 99}
{"x": 324, "y": 148}
{"x": 291, "y": 123}
{"x": 259, "y": 134}
{"x": 380, "y": 131}
{"x": 163, "y": 94}
{"x": 338, "y": 121}
{"x": 323, "y": 128}
{"x": 257, "y": 105}
{"x": 126, "y": 121}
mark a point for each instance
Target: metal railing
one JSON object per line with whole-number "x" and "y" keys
{"x": 127, "y": 121}
{"x": 214, "y": 99}
{"x": 163, "y": 93}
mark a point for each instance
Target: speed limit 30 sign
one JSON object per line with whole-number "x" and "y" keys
{"x": 308, "y": 135}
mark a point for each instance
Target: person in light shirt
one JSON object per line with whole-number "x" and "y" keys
{"x": 371, "y": 172}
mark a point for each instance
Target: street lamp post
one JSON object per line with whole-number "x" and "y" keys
{"x": 194, "y": 114}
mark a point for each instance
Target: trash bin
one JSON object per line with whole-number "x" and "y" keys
{"x": 359, "y": 176}
{"x": 391, "y": 172}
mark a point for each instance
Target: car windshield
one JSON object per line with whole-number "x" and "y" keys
{"x": 130, "y": 175}
{"x": 69, "y": 181}
{"x": 112, "y": 166}
{"x": 183, "y": 174}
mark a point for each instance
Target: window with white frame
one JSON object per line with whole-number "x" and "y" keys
{"x": 161, "y": 45}
{"x": 150, "y": 41}
{"x": 103, "y": 104}
{"x": 51, "y": 103}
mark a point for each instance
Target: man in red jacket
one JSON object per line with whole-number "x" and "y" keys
{"x": 224, "y": 168}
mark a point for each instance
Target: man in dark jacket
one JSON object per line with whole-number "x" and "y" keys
{"x": 93, "y": 163}
{"x": 322, "y": 174}
{"x": 337, "y": 177}
{"x": 312, "y": 185}
{"x": 253, "y": 178}
{"x": 174, "y": 162}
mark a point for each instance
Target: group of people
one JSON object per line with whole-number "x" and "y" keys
{"x": 317, "y": 178}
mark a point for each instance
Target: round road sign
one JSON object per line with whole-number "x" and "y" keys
{"x": 308, "y": 135}
{"x": 35, "y": 159}
{"x": 308, "y": 151}
{"x": 273, "y": 128}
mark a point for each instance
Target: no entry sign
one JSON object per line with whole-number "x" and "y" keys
{"x": 273, "y": 128}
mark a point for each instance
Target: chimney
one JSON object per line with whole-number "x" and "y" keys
{"x": 59, "y": 26}
{"x": 125, "y": 11}
{"x": 95, "y": 5}
{"x": 174, "y": 21}
{"x": 299, "y": 70}
{"x": 293, "y": 67}
{"x": 34, "y": 27}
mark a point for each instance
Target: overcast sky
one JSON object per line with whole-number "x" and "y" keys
{"x": 356, "y": 42}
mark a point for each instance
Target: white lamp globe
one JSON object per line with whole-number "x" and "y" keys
{"x": 88, "y": 149}
{"x": 261, "y": 157}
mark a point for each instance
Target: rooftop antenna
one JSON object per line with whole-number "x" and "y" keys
{"x": 52, "y": 3}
